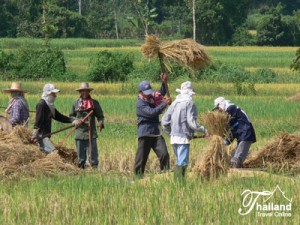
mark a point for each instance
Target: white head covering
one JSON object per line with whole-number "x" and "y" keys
{"x": 222, "y": 103}
{"x": 186, "y": 88}
{"x": 186, "y": 92}
{"x": 49, "y": 99}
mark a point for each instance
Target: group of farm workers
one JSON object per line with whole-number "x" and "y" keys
{"x": 85, "y": 133}
{"x": 179, "y": 121}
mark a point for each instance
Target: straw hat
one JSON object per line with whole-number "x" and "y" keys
{"x": 84, "y": 86}
{"x": 15, "y": 86}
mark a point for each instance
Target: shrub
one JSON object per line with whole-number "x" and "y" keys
{"x": 5, "y": 61}
{"x": 45, "y": 62}
{"x": 108, "y": 66}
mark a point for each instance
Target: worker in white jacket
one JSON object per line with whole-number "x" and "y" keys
{"x": 180, "y": 122}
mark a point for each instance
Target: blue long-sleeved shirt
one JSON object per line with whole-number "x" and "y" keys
{"x": 148, "y": 116}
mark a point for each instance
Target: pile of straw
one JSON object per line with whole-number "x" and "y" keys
{"x": 186, "y": 52}
{"x": 282, "y": 154}
{"x": 19, "y": 157}
{"x": 215, "y": 160}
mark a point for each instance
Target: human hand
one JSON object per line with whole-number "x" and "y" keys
{"x": 206, "y": 135}
{"x": 77, "y": 122}
{"x": 168, "y": 100}
{"x": 34, "y": 136}
{"x": 101, "y": 127}
{"x": 164, "y": 77}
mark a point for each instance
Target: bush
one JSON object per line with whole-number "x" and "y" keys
{"x": 108, "y": 66}
{"x": 40, "y": 63}
{"x": 5, "y": 61}
{"x": 264, "y": 76}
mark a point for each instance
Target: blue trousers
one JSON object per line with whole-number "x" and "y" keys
{"x": 182, "y": 154}
{"x": 82, "y": 147}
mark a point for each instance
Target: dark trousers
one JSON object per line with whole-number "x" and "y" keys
{"x": 82, "y": 148}
{"x": 158, "y": 144}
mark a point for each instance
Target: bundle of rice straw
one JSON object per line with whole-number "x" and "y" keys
{"x": 282, "y": 154}
{"x": 295, "y": 98}
{"x": 186, "y": 52}
{"x": 215, "y": 160}
{"x": 18, "y": 156}
{"x": 216, "y": 122}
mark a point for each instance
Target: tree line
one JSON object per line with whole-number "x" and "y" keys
{"x": 211, "y": 22}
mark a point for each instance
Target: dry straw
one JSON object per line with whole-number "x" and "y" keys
{"x": 215, "y": 160}
{"x": 19, "y": 157}
{"x": 186, "y": 52}
{"x": 282, "y": 154}
{"x": 216, "y": 122}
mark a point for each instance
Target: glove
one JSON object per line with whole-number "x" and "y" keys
{"x": 77, "y": 122}
{"x": 35, "y": 135}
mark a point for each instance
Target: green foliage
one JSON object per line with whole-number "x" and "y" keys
{"x": 242, "y": 37}
{"x": 45, "y": 62}
{"x": 264, "y": 75}
{"x": 272, "y": 30}
{"x": 110, "y": 66}
{"x": 5, "y": 61}
{"x": 296, "y": 63}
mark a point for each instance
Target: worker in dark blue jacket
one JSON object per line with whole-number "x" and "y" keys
{"x": 148, "y": 108}
{"x": 241, "y": 128}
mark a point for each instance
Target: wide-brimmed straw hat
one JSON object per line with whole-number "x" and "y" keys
{"x": 84, "y": 86}
{"x": 15, "y": 86}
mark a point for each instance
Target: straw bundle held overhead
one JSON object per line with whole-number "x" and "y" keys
{"x": 282, "y": 154}
{"x": 186, "y": 52}
{"x": 216, "y": 122}
{"x": 215, "y": 160}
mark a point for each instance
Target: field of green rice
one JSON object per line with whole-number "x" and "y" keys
{"x": 110, "y": 195}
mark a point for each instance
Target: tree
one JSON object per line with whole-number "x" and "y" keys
{"x": 145, "y": 14}
{"x": 272, "y": 30}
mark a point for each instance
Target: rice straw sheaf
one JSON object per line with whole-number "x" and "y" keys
{"x": 215, "y": 160}
{"x": 186, "y": 52}
{"x": 216, "y": 122}
{"x": 18, "y": 156}
{"x": 282, "y": 154}
{"x": 295, "y": 98}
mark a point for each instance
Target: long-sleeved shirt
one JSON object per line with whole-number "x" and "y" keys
{"x": 148, "y": 116}
{"x": 180, "y": 120}
{"x": 43, "y": 118}
{"x": 240, "y": 125}
{"x": 82, "y": 132}
{"x": 19, "y": 113}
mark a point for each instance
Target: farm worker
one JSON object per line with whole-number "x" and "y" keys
{"x": 45, "y": 112}
{"x": 180, "y": 122}
{"x": 17, "y": 105}
{"x": 81, "y": 107}
{"x": 241, "y": 128}
{"x": 148, "y": 108}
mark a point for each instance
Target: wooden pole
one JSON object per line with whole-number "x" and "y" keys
{"x": 65, "y": 128}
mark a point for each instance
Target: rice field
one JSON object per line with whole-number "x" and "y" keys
{"x": 110, "y": 195}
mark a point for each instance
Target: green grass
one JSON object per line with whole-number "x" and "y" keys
{"x": 109, "y": 197}
{"x": 102, "y": 199}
